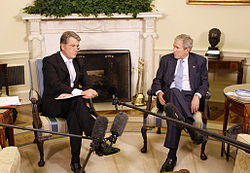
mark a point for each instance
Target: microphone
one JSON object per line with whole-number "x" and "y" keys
{"x": 118, "y": 126}
{"x": 116, "y": 130}
{"x": 173, "y": 112}
{"x": 98, "y": 134}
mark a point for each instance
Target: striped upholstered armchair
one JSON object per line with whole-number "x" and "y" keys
{"x": 40, "y": 121}
{"x": 150, "y": 122}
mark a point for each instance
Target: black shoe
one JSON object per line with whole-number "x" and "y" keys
{"x": 168, "y": 165}
{"x": 75, "y": 167}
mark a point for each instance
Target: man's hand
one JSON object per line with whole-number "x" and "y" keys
{"x": 160, "y": 97}
{"x": 63, "y": 95}
{"x": 89, "y": 93}
{"x": 195, "y": 104}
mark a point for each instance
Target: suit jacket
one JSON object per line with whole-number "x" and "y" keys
{"x": 57, "y": 81}
{"x": 198, "y": 74}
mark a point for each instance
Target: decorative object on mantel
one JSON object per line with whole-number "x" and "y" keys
{"x": 59, "y": 8}
{"x": 138, "y": 99}
{"x": 214, "y": 38}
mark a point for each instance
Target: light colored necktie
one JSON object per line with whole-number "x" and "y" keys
{"x": 72, "y": 72}
{"x": 179, "y": 76}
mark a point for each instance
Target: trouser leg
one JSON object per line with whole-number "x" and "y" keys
{"x": 78, "y": 120}
{"x": 182, "y": 101}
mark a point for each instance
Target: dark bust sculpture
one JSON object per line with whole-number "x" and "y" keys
{"x": 213, "y": 38}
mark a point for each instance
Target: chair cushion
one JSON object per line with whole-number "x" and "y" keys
{"x": 10, "y": 160}
{"x": 53, "y": 124}
{"x": 242, "y": 159}
{"x": 153, "y": 121}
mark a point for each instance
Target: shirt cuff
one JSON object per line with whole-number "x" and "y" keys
{"x": 76, "y": 92}
{"x": 157, "y": 92}
{"x": 198, "y": 94}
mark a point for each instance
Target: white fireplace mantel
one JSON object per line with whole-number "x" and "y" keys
{"x": 119, "y": 31}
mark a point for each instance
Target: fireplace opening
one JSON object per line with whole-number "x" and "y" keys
{"x": 109, "y": 72}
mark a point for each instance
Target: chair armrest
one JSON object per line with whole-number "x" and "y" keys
{"x": 205, "y": 114}
{"x": 92, "y": 108}
{"x": 149, "y": 102}
{"x": 34, "y": 98}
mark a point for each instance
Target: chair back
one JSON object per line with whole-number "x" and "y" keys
{"x": 36, "y": 76}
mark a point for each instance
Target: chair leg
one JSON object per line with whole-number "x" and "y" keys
{"x": 40, "y": 148}
{"x": 203, "y": 156}
{"x": 145, "y": 140}
{"x": 35, "y": 140}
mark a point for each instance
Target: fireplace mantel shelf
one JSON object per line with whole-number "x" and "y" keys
{"x": 101, "y": 16}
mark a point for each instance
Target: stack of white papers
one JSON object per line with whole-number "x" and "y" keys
{"x": 10, "y": 100}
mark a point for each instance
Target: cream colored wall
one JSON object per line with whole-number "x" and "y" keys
{"x": 197, "y": 20}
{"x": 179, "y": 17}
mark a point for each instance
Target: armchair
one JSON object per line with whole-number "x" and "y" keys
{"x": 40, "y": 121}
{"x": 150, "y": 122}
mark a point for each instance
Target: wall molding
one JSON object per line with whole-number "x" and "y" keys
{"x": 13, "y": 56}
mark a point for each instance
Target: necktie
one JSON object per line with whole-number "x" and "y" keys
{"x": 72, "y": 72}
{"x": 179, "y": 76}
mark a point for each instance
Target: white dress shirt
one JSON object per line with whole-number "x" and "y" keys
{"x": 185, "y": 80}
{"x": 75, "y": 91}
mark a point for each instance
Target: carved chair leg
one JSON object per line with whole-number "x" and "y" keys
{"x": 40, "y": 148}
{"x": 158, "y": 130}
{"x": 203, "y": 156}
{"x": 35, "y": 139}
{"x": 145, "y": 140}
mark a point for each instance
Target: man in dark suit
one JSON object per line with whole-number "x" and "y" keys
{"x": 65, "y": 75}
{"x": 182, "y": 79}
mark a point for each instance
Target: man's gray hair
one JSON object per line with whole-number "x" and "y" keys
{"x": 187, "y": 41}
{"x": 66, "y": 35}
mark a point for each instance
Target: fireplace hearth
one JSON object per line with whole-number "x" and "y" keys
{"x": 109, "y": 72}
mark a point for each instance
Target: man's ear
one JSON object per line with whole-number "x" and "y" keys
{"x": 61, "y": 46}
{"x": 188, "y": 50}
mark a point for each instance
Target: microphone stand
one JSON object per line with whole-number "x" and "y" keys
{"x": 91, "y": 150}
{"x": 92, "y": 147}
{"x": 45, "y": 131}
{"x": 238, "y": 144}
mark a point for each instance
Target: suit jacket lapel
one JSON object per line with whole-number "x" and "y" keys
{"x": 63, "y": 66}
{"x": 172, "y": 66}
{"x": 76, "y": 69}
{"x": 192, "y": 69}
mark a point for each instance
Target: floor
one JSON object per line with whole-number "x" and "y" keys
{"x": 24, "y": 140}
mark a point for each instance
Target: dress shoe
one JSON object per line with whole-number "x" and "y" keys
{"x": 75, "y": 167}
{"x": 168, "y": 165}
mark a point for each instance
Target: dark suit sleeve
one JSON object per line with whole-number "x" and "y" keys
{"x": 203, "y": 86}
{"x": 158, "y": 80}
{"x": 84, "y": 78}
{"x": 54, "y": 79}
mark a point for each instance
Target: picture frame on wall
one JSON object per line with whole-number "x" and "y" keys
{"x": 219, "y": 2}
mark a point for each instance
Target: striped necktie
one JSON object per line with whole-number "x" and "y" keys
{"x": 72, "y": 72}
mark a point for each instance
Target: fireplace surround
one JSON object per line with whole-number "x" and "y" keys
{"x": 118, "y": 32}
